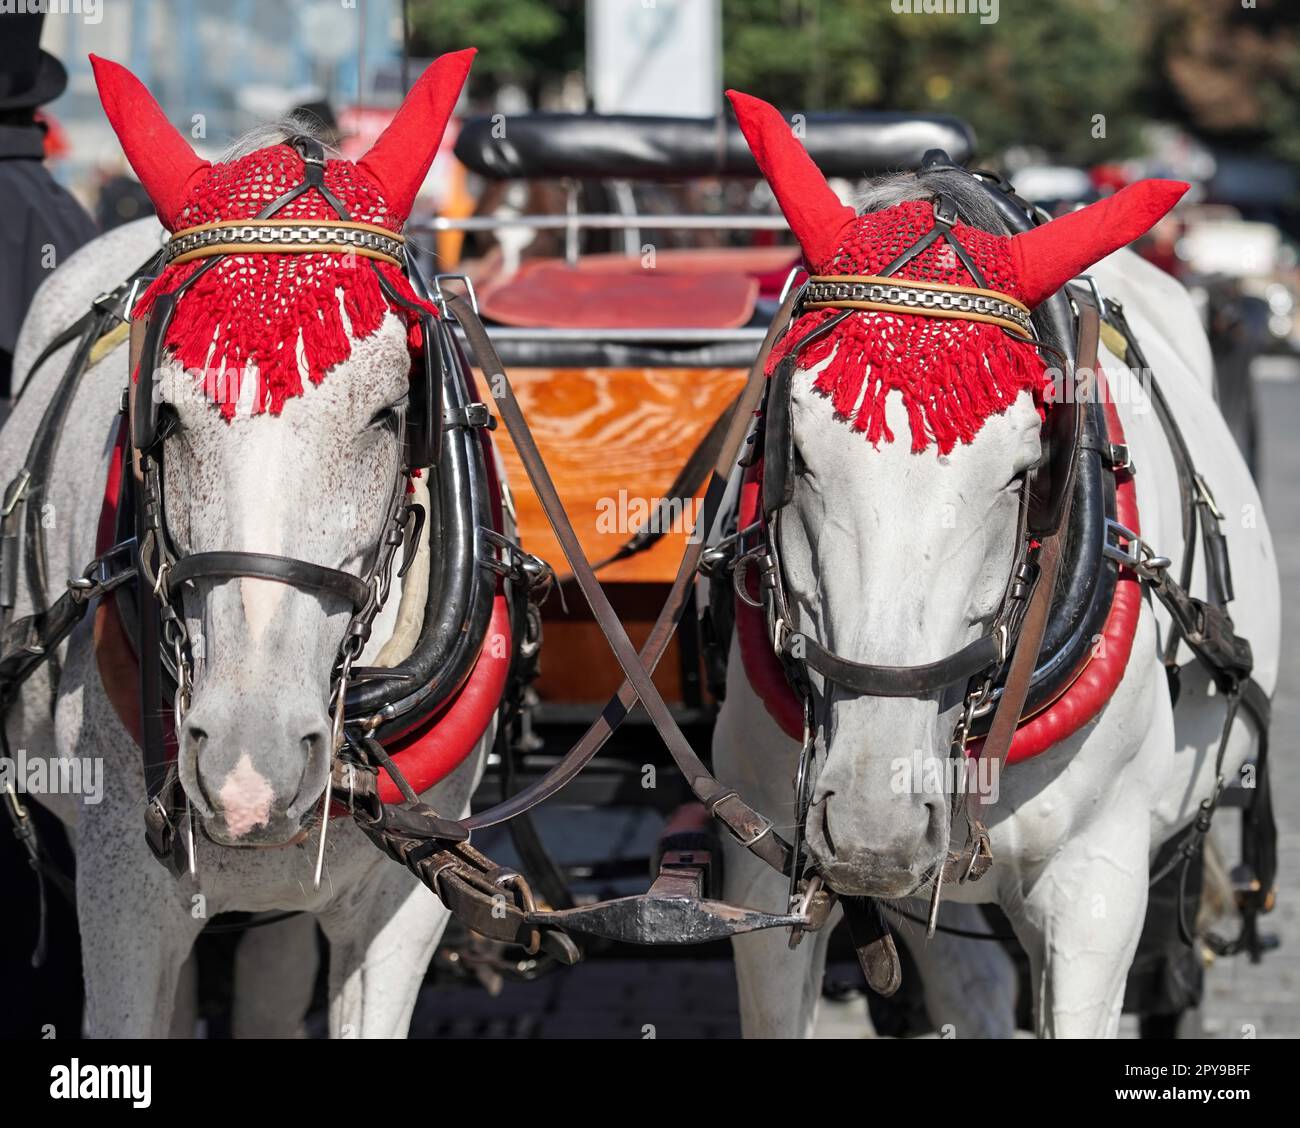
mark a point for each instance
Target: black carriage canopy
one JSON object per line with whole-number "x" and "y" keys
{"x": 637, "y": 147}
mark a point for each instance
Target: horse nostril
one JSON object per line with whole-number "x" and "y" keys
{"x": 826, "y": 822}
{"x": 314, "y": 744}
{"x": 195, "y": 738}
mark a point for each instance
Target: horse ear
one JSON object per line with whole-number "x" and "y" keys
{"x": 812, "y": 210}
{"x": 399, "y": 161}
{"x": 1047, "y": 257}
{"x": 163, "y": 160}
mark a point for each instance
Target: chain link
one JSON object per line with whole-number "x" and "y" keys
{"x": 914, "y": 297}
{"x": 287, "y": 236}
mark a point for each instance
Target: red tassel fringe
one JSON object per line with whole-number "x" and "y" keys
{"x": 251, "y": 310}
{"x": 952, "y": 374}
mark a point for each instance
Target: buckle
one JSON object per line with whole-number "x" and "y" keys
{"x": 945, "y": 210}
{"x": 441, "y": 299}
{"x": 509, "y": 561}
{"x": 160, "y": 835}
{"x": 1207, "y": 498}
{"x": 133, "y": 294}
{"x": 16, "y": 492}
{"x": 731, "y": 796}
{"x": 1133, "y": 552}
{"x": 471, "y": 415}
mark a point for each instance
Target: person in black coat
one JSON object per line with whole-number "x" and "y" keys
{"x": 40, "y": 223}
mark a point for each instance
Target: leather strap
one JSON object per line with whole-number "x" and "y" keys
{"x": 262, "y": 566}
{"x": 1030, "y": 640}
{"x": 898, "y": 681}
{"x": 750, "y": 828}
{"x": 874, "y": 945}
{"x": 618, "y": 707}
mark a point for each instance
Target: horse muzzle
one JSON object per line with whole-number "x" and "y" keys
{"x": 892, "y": 858}
{"x": 253, "y": 782}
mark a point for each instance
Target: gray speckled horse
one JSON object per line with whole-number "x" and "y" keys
{"x": 302, "y": 483}
{"x": 894, "y": 556}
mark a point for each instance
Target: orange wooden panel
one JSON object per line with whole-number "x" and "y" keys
{"x": 578, "y": 668}
{"x": 614, "y": 439}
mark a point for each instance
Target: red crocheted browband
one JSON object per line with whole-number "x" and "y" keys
{"x": 283, "y": 315}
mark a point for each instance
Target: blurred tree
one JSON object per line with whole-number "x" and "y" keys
{"x": 532, "y": 43}
{"x": 1230, "y": 71}
{"x": 1076, "y": 77}
{"x": 1041, "y": 74}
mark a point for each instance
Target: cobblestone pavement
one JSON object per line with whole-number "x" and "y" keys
{"x": 695, "y": 997}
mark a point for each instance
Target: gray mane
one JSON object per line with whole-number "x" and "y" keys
{"x": 967, "y": 193}
{"x": 274, "y": 133}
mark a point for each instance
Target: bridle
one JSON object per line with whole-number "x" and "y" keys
{"x": 165, "y": 570}
{"x": 1007, "y": 651}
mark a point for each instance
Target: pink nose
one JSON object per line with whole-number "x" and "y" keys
{"x": 246, "y": 797}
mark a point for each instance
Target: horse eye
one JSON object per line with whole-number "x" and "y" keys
{"x": 386, "y": 415}
{"x": 169, "y": 422}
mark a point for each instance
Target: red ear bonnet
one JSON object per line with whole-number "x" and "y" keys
{"x": 952, "y": 373}
{"x": 814, "y": 212}
{"x": 264, "y": 311}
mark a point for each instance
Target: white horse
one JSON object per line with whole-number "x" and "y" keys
{"x": 308, "y": 484}
{"x": 875, "y": 572}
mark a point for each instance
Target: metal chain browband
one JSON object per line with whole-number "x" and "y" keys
{"x": 285, "y": 236}
{"x": 926, "y": 299}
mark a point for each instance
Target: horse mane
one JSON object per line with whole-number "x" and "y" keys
{"x": 276, "y": 132}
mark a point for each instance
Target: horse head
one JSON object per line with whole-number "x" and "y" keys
{"x": 899, "y": 553}
{"x": 282, "y": 380}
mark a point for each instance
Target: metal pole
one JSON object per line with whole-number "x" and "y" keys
{"x": 406, "y": 46}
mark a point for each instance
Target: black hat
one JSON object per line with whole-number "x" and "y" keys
{"x": 28, "y": 75}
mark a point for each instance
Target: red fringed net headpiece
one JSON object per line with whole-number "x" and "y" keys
{"x": 290, "y": 313}
{"x": 951, "y": 374}
{"x": 263, "y": 310}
